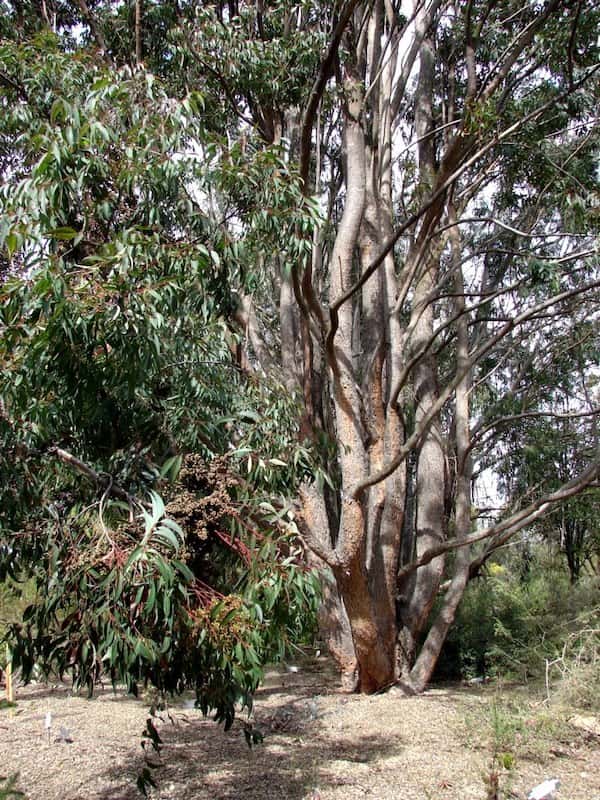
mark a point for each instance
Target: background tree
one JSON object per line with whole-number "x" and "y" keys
{"x": 551, "y": 450}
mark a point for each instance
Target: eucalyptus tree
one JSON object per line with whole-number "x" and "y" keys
{"x": 404, "y": 197}
{"x": 452, "y": 147}
{"x": 543, "y": 450}
{"x": 456, "y": 255}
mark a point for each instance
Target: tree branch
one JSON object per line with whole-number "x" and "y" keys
{"x": 312, "y": 521}
{"x": 7, "y": 81}
{"x": 422, "y": 23}
{"x": 318, "y": 88}
{"x": 502, "y": 531}
{"x": 437, "y": 194}
{"x": 95, "y": 477}
{"x": 479, "y": 433}
{"x": 514, "y": 50}
{"x": 95, "y": 28}
{"x": 444, "y": 395}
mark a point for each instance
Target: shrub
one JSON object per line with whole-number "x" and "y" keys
{"x": 8, "y": 790}
{"x": 578, "y": 666}
{"x": 511, "y": 622}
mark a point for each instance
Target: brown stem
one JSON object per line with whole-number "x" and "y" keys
{"x": 318, "y": 88}
{"x": 94, "y": 25}
{"x": 95, "y": 477}
{"x": 138, "y": 32}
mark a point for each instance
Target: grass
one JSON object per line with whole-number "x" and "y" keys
{"x": 8, "y": 790}
{"x": 516, "y": 725}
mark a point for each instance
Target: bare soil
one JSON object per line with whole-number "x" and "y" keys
{"x": 318, "y": 744}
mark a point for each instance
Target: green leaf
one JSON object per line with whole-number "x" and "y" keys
{"x": 170, "y": 469}
{"x": 158, "y": 506}
{"x": 277, "y": 462}
{"x": 168, "y": 536}
{"x": 63, "y": 234}
{"x": 11, "y": 243}
{"x": 151, "y": 599}
{"x": 184, "y": 570}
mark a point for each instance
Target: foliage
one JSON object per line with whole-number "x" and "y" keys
{"x": 14, "y": 598}
{"x": 261, "y": 63}
{"x": 513, "y": 726}
{"x": 119, "y": 375}
{"x": 505, "y": 727}
{"x": 516, "y": 617}
{"x": 166, "y": 273}
{"x": 545, "y": 453}
{"x": 129, "y": 596}
{"x": 8, "y": 790}
{"x": 577, "y": 666}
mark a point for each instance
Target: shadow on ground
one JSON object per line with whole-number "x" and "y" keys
{"x": 300, "y": 750}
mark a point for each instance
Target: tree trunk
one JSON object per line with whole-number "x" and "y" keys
{"x": 395, "y": 332}
{"x": 423, "y": 669}
{"x": 138, "y": 32}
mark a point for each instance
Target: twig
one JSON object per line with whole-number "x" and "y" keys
{"x": 99, "y": 479}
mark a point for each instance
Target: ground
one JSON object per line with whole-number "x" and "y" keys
{"x": 318, "y": 744}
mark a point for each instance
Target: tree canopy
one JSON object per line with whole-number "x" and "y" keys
{"x": 120, "y": 379}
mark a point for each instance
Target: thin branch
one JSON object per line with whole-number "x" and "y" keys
{"x": 318, "y": 88}
{"x": 95, "y": 28}
{"x": 481, "y": 432}
{"x": 138, "y": 32}
{"x": 470, "y": 47}
{"x": 192, "y": 362}
{"x": 95, "y": 477}
{"x": 514, "y": 50}
{"x": 6, "y": 80}
{"x": 228, "y": 93}
{"x": 506, "y": 227}
{"x": 444, "y": 395}
{"x": 426, "y": 136}
{"x": 420, "y": 353}
{"x": 437, "y": 194}
{"x": 394, "y": 39}
{"x": 502, "y": 531}
{"x": 571, "y": 47}
{"x": 422, "y": 24}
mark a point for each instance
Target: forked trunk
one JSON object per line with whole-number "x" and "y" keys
{"x": 379, "y": 329}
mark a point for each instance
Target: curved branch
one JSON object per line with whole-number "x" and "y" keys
{"x": 312, "y": 524}
{"x": 444, "y": 395}
{"x": 514, "y": 50}
{"x": 9, "y": 83}
{"x": 481, "y": 432}
{"x": 437, "y": 194}
{"x": 90, "y": 473}
{"x": 95, "y": 28}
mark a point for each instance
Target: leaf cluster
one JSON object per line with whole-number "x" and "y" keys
{"x": 135, "y": 598}
{"x": 116, "y": 349}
